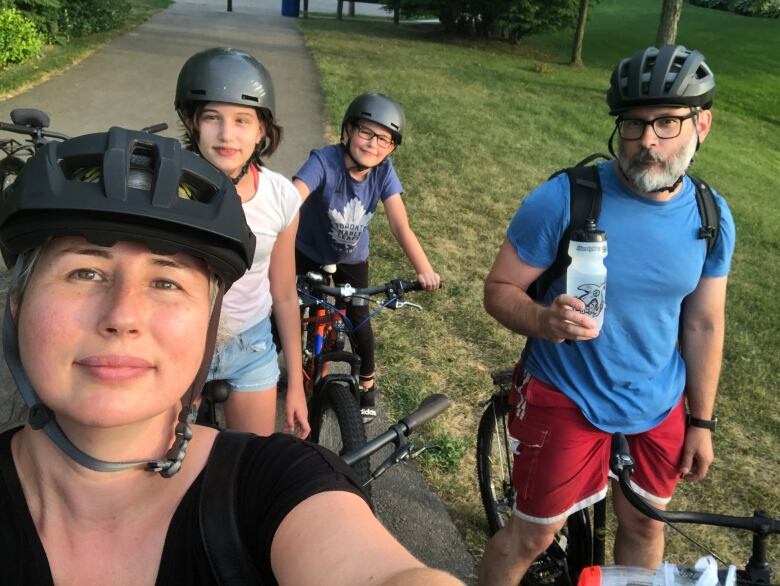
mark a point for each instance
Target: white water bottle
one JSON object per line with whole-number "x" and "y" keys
{"x": 586, "y": 277}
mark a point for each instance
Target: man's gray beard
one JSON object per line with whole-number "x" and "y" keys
{"x": 649, "y": 178}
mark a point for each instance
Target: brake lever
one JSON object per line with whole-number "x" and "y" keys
{"x": 403, "y": 453}
{"x": 400, "y": 304}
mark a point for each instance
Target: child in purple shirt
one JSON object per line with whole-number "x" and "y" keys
{"x": 341, "y": 186}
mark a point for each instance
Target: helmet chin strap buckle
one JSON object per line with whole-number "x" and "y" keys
{"x": 175, "y": 456}
{"x": 39, "y": 416}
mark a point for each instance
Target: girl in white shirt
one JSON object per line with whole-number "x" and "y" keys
{"x": 225, "y": 99}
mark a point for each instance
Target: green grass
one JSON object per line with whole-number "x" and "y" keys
{"x": 54, "y": 58}
{"x": 488, "y": 121}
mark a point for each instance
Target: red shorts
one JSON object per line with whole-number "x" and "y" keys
{"x": 561, "y": 462}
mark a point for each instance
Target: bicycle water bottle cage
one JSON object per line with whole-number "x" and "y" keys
{"x": 30, "y": 117}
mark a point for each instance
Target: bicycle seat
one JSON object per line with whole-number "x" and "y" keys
{"x": 30, "y": 117}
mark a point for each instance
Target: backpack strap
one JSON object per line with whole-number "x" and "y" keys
{"x": 585, "y": 204}
{"x": 709, "y": 212}
{"x": 230, "y": 563}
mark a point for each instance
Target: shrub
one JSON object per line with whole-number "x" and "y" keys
{"x": 534, "y": 16}
{"x": 508, "y": 19}
{"x": 44, "y": 13}
{"x": 19, "y": 39}
{"x": 762, "y": 8}
{"x": 84, "y": 17}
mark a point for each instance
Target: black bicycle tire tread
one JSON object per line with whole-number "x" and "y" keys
{"x": 487, "y": 425}
{"x": 337, "y": 396}
{"x": 9, "y": 166}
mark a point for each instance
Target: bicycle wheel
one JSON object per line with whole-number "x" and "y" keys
{"x": 337, "y": 425}
{"x": 561, "y": 564}
{"x": 9, "y": 169}
{"x": 494, "y": 463}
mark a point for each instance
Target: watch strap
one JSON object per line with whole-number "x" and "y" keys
{"x": 703, "y": 423}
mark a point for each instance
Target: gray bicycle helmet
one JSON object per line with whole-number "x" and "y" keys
{"x": 127, "y": 185}
{"x": 124, "y": 185}
{"x": 380, "y": 109}
{"x": 225, "y": 75}
{"x": 670, "y": 76}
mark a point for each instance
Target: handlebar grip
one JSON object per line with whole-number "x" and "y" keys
{"x": 155, "y": 128}
{"x": 429, "y": 408}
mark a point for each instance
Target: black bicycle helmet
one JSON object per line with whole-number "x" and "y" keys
{"x": 380, "y": 109}
{"x": 670, "y": 76}
{"x": 225, "y": 75}
{"x": 124, "y": 185}
{"x": 127, "y": 185}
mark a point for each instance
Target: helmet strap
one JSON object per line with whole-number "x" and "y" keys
{"x": 240, "y": 176}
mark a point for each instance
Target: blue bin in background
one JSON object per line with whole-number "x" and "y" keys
{"x": 291, "y": 8}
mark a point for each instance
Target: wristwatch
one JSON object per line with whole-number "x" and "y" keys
{"x": 703, "y": 423}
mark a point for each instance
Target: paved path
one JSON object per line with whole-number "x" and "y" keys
{"x": 131, "y": 81}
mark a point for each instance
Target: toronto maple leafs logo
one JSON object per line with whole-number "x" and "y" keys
{"x": 347, "y": 226}
{"x": 593, "y": 298}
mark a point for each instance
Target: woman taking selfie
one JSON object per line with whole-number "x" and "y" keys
{"x": 122, "y": 246}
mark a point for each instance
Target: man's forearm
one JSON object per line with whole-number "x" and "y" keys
{"x": 702, "y": 350}
{"x": 513, "y": 308}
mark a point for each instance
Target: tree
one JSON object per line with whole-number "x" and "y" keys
{"x": 579, "y": 34}
{"x": 667, "y": 28}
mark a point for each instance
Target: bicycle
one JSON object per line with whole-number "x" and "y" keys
{"x": 580, "y": 543}
{"x": 757, "y": 569}
{"x": 215, "y": 392}
{"x": 334, "y": 399}
{"x": 33, "y": 123}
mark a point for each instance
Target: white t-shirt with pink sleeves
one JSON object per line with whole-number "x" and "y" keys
{"x": 270, "y": 211}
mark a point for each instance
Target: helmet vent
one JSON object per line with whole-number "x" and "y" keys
{"x": 198, "y": 92}
{"x": 84, "y": 168}
{"x": 141, "y": 172}
{"x": 193, "y": 187}
{"x": 250, "y": 98}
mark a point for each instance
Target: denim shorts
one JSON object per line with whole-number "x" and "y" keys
{"x": 248, "y": 360}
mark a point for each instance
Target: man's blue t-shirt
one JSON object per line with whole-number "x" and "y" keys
{"x": 334, "y": 218}
{"x": 631, "y": 376}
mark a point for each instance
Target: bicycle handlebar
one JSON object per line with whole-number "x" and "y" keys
{"x": 32, "y": 131}
{"x": 622, "y": 465}
{"x": 32, "y": 122}
{"x": 394, "y": 288}
{"x": 155, "y": 128}
{"x": 429, "y": 408}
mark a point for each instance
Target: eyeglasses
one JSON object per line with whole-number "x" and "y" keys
{"x": 663, "y": 126}
{"x": 368, "y": 134}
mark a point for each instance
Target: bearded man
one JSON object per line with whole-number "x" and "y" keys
{"x": 652, "y": 370}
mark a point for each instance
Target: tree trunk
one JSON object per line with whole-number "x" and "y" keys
{"x": 352, "y": 8}
{"x": 667, "y": 28}
{"x": 579, "y": 34}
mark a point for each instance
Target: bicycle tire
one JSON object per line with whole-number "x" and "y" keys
{"x": 571, "y": 551}
{"x": 494, "y": 463}
{"x": 10, "y": 167}
{"x": 338, "y": 426}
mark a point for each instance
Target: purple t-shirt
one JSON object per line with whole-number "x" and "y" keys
{"x": 334, "y": 219}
